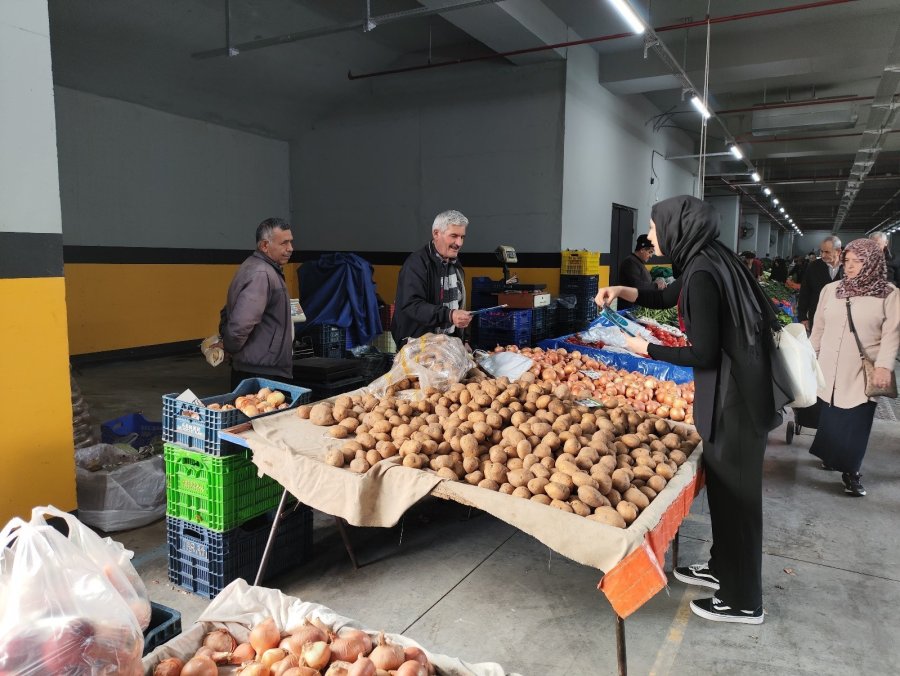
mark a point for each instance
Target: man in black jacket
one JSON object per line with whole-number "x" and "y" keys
{"x": 819, "y": 273}
{"x": 633, "y": 270}
{"x": 431, "y": 292}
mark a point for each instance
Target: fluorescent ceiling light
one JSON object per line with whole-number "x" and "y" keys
{"x": 775, "y": 201}
{"x": 634, "y": 22}
{"x": 766, "y": 192}
{"x": 756, "y": 177}
{"x": 781, "y": 209}
{"x": 698, "y": 104}
{"x": 736, "y": 152}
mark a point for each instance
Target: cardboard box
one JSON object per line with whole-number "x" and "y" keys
{"x": 524, "y": 299}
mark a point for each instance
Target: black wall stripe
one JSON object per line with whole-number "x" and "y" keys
{"x": 191, "y": 347}
{"x": 30, "y": 254}
{"x": 165, "y": 256}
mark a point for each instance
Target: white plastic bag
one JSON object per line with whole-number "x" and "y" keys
{"x": 795, "y": 360}
{"x": 129, "y": 496}
{"x": 435, "y": 360}
{"x": 499, "y": 364}
{"x": 60, "y": 614}
{"x": 110, "y": 557}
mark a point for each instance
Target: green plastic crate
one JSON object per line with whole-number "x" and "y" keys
{"x": 218, "y": 493}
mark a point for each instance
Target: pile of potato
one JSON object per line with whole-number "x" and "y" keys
{"x": 264, "y": 401}
{"x": 527, "y": 439}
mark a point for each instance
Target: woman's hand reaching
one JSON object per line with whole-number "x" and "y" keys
{"x": 608, "y": 294}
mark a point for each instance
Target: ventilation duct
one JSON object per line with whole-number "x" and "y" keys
{"x": 813, "y": 117}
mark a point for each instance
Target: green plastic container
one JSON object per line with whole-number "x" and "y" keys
{"x": 218, "y": 493}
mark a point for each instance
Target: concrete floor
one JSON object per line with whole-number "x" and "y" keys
{"x": 467, "y": 584}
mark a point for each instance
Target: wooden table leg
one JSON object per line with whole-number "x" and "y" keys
{"x": 342, "y": 529}
{"x": 620, "y": 646}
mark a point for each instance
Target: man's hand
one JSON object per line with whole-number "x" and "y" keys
{"x": 881, "y": 377}
{"x": 660, "y": 283}
{"x": 460, "y": 318}
{"x": 636, "y": 345}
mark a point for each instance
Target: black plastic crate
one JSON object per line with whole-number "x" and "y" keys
{"x": 322, "y": 391}
{"x": 579, "y": 285}
{"x": 205, "y": 562}
{"x": 327, "y": 340}
{"x": 165, "y": 624}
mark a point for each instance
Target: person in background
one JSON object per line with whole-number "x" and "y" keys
{"x": 798, "y": 268}
{"x": 865, "y": 295}
{"x": 779, "y": 270}
{"x": 818, "y": 273}
{"x": 431, "y": 292}
{"x": 633, "y": 270}
{"x": 256, "y": 324}
{"x": 727, "y": 319}
{"x": 754, "y": 265}
{"x": 892, "y": 262}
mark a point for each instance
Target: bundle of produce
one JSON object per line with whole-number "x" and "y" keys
{"x": 312, "y": 649}
{"x": 529, "y": 438}
{"x": 660, "y": 271}
{"x": 264, "y": 401}
{"x": 669, "y": 316}
{"x": 667, "y": 335}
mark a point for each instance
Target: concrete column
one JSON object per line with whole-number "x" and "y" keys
{"x": 762, "y": 237}
{"x": 729, "y": 209}
{"x": 39, "y": 464}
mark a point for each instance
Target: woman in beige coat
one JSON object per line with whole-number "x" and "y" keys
{"x": 847, "y": 413}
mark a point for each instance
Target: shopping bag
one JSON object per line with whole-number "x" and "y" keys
{"x": 110, "y": 557}
{"x": 795, "y": 369}
{"x": 59, "y": 614}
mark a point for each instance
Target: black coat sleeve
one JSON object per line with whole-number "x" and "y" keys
{"x": 415, "y": 307}
{"x": 660, "y": 299}
{"x": 705, "y": 349}
{"x": 807, "y": 297}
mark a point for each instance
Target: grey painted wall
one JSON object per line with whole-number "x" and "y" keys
{"x": 29, "y": 193}
{"x": 749, "y": 242}
{"x": 608, "y": 153}
{"x": 813, "y": 238}
{"x": 373, "y": 175}
{"x": 134, "y": 176}
{"x": 763, "y": 233}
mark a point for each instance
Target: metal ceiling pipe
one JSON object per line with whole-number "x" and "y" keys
{"x": 751, "y": 139}
{"x": 738, "y": 189}
{"x": 602, "y": 38}
{"x": 366, "y": 24}
{"x": 822, "y": 179}
{"x": 795, "y": 104}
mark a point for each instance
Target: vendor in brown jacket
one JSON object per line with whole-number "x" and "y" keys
{"x": 256, "y": 324}
{"x": 865, "y": 295}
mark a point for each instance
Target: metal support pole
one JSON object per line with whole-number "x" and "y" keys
{"x": 272, "y": 532}
{"x": 342, "y": 529}
{"x": 620, "y": 646}
{"x": 675, "y": 550}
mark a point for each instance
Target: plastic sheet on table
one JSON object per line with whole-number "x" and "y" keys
{"x": 622, "y": 360}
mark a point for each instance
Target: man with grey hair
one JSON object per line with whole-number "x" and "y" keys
{"x": 892, "y": 263}
{"x": 256, "y": 324}
{"x": 820, "y": 272}
{"x": 431, "y": 292}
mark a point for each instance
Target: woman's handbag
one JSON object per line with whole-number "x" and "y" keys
{"x": 890, "y": 390}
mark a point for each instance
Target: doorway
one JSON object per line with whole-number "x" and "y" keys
{"x": 621, "y": 239}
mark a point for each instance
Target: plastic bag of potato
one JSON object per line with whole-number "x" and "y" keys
{"x": 435, "y": 360}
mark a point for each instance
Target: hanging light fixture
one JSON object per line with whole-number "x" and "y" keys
{"x": 633, "y": 20}
{"x": 702, "y": 109}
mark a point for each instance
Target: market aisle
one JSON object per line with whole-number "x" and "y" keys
{"x": 472, "y": 586}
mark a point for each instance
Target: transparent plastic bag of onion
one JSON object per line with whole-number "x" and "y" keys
{"x": 59, "y": 614}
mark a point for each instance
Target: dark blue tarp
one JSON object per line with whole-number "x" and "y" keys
{"x": 337, "y": 289}
{"x": 650, "y": 367}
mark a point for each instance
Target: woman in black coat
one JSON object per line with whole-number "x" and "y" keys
{"x": 728, "y": 321}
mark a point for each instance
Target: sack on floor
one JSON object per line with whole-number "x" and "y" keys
{"x": 128, "y": 496}
{"x": 108, "y": 556}
{"x": 59, "y": 614}
{"x": 795, "y": 370}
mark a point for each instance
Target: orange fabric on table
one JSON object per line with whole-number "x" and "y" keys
{"x": 640, "y": 575}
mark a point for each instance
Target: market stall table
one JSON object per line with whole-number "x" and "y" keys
{"x": 291, "y": 450}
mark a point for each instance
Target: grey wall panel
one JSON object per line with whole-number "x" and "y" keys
{"x": 134, "y": 176}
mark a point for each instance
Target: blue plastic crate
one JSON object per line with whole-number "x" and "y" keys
{"x": 205, "y": 562}
{"x": 491, "y": 338}
{"x": 119, "y": 429}
{"x": 165, "y": 624}
{"x": 196, "y": 427}
{"x": 505, "y": 320}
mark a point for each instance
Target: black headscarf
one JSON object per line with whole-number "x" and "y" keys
{"x": 688, "y": 230}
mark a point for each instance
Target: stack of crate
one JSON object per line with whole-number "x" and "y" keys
{"x": 504, "y": 327}
{"x": 543, "y": 323}
{"x": 580, "y": 277}
{"x": 219, "y": 512}
{"x": 326, "y": 340}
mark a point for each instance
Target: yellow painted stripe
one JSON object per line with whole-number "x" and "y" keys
{"x": 35, "y": 400}
{"x": 668, "y": 651}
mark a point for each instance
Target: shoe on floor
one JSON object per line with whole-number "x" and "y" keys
{"x": 698, "y": 575}
{"x": 713, "y": 609}
{"x": 853, "y": 484}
